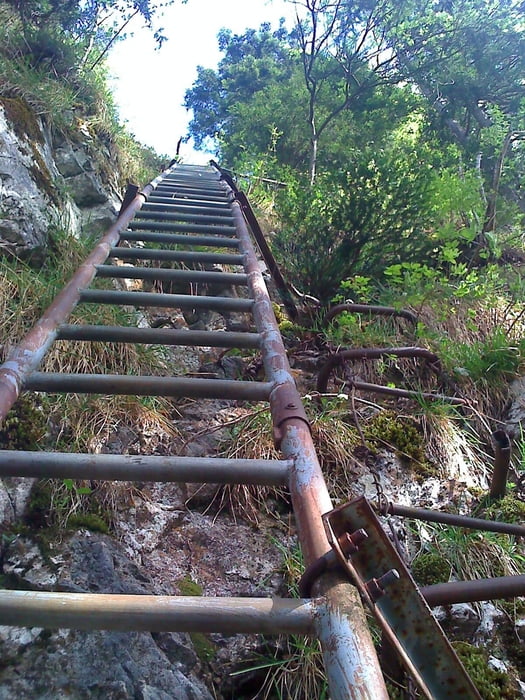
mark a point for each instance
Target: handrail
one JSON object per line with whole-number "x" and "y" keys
{"x": 264, "y": 248}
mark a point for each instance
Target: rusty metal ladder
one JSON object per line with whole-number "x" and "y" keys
{"x": 192, "y": 207}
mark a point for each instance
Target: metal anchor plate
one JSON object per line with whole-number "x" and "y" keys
{"x": 401, "y": 611}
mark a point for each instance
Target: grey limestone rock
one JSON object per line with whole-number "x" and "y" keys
{"x": 81, "y": 665}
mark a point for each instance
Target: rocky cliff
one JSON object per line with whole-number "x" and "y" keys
{"x": 48, "y": 180}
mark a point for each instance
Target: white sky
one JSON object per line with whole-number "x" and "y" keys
{"x": 149, "y": 85}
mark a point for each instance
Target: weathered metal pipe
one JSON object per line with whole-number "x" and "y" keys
{"x": 175, "y": 239}
{"x": 406, "y": 393}
{"x": 155, "y": 216}
{"x": 176, "y": 256}
{"x": 502, "y": 455}
{"x": 94, "y": 611}
{"x": 351, "y": 663}
{"x": 170, "y": 301}
{"x": 262, "y": 243}
{"x": 464, "y": 521}
{"x": 472, "y": 591}
{"x": 191, "y": 470}
{"x": 369, "y": 309}
{"x": 159, "y": 336}
{"x": 29, "y": 353}
{"x": 182, "y": 228}
{"x": 161, "y": 273}
{"x": 352, "y": 354}
{"x": 125, "y": 385}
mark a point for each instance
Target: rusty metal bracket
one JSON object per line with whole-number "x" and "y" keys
{"x": 129, "y": 196}
{"x": 285, "y": 403}
{"x": 388, "y": 589}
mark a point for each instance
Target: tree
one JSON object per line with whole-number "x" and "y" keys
{"x": 96, "y": 24}
{"x": 341, "y": 57}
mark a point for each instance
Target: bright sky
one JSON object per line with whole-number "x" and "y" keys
{"x": 149, "y": 85}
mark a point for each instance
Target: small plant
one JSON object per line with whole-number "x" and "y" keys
{"x": 24, "y": 426}
{"x": 429, "y": 568}
{"x": 491, "y": 684}
{"x": 293, "y": 667}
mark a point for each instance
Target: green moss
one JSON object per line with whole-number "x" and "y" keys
{"x": 402, "y": 434}
{"x": 491, "y": 684}
{"x": 430, "y": 568}
{"x": 204, "y": 647}
{"x": 278, "y": 312}
{"x": 38, "y": 510}
{"x": 508, "y": 509}
{"x": 23, "y": 427}
{"x": 187, "y": 586}
{"x": 89, "y": 521}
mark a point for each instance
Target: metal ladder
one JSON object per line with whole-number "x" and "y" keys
{"x": 192, "y": 207}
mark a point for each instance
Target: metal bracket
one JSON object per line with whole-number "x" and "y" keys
{"x": 130, "y": 194}
{"x": 285, "y": 403}
{"x": 388, "y": 589}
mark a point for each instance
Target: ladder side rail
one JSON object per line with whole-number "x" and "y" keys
{"x": 29, "y": 353}
{"x": 351, "y": 662}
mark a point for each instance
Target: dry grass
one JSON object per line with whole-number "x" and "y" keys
{"x": 84, "y": 423}
{"x": 252, "y": 438}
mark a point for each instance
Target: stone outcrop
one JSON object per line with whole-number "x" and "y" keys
{"x": 46, "y": 181}
{"x": 51, "y": 664}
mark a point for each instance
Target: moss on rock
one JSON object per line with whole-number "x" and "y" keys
{"x": 491, "y": 684}
{"x": 430, "y": 568}
{"x": 23, "y": 427}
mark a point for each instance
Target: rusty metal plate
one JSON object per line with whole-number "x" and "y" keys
{"x": 402, "y": 613}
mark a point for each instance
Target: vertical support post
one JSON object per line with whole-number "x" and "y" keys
{"x": 498, "y": 484}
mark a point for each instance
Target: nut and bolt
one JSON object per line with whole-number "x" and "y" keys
{"x": 349, "y": 543}
{"x": 376, "y": 586}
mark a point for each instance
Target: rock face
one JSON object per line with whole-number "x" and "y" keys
{"x": 50, "y": 664}
{"x": 45, "y": 181}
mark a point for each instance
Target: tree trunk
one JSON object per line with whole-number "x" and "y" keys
{"x": 313, "y": 156}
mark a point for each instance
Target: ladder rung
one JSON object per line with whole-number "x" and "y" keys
{"x": 201, "y": 177}
{"x": 211, "y": 205}
{"x": 150, "y": 613}
{"x": 175, "y": 255}
{"x": 212, "y": 241}
{"x": 125, "y": 385}
{"x": 187, "y": 209}
{"x": 181, "y": 228}
{"x": 166, "y": 194}
{"x": 190, "y": 189}
{"x": 191, "y": 470}
{"x": 159, "y": 336}
{"x": 182, "y": 216}
{"x": 160, "y": 273}
{"x": 170, "y": 301}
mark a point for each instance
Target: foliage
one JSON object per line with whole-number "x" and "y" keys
{"x": 24, "y": 426}
{"x": 492, "y": 684}
{"x": 430, "y": 568}
{"x": 44, "y": 66}
{"x": 370, "y": 214}
{"x": 490, "y": 361}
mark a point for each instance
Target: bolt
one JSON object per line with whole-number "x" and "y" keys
{"x": 376, "y": 586}
{"x": 291, "y": 405}
{"x": 388, "y": 579}
{"x": 349, "y": 543}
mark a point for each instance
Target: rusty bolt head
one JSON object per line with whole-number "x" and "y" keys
{"x": 349, "y": 543}
{"x": 376, "y": 586}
